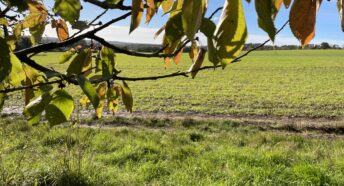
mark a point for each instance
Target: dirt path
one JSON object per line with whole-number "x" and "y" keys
{"x": 333, "y": 125}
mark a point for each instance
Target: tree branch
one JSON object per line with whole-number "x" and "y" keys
{"x": 176, "y": 74}
{"x": 106, "y": 5}
{"x": 137, "y": 54}
{"x": 51, "y": 46}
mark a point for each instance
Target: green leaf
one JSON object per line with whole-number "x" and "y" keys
{"x": 80, "y": 25}
{"x": 108, "y": 62}
{"x": 68, "y": 9}
{"x": 231, "y": 32}
{"x": 67, "y": 55}
{"x": 33, "y": 111}
{"x": 265, "y": 20}
{"x": 127, "y": 97}
{"x": 208, "y": 28}
{"x": 83, "y": 59}
{"x": 192, "y": 15}
{"x": 174, "y": 29}
{"x": 5, "y": 60}
{"x": 37, "y": 33}
{"x": 60, "y": 108}
{"x": 32, "y": 77}
{"x": 17, "y": 74}
{"x": 89, "y": 90}
{"x": 3, "y": 21}
{"x": 2, "y": 98}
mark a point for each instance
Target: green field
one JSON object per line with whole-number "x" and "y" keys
{"x": 290, "y": 131}
{"x": 275, "y": 83}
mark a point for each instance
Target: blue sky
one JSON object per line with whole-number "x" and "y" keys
{"x": 328, "y": 24}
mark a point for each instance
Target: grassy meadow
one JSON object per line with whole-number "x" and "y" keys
{"x": 304, "y": 84}
{"x": 166, "y": 152}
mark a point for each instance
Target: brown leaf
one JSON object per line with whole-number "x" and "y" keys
{"x": 177, "y": 58}
{"x": 167, "y": 61}
{"x": 287, "y": 3}
{"x": 150, "y": 10}
{"x": 303, "y": 19}
{"x": 62, "y": 30}
{"x": 136, "y": 14}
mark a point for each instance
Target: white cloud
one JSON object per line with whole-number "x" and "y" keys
{"x": 140, "y": 35}
{"x": 146, "y": 35}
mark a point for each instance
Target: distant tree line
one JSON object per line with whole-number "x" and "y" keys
{"x": 25, "y": 42}
{"x": 323, "y": 45}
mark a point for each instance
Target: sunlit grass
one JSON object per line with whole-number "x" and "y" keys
{"x": 166, "y": 152}
{"x": 278, "y": 83}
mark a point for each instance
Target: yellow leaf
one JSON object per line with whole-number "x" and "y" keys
{"x": 62, "y": 30}
{"x": 231, "y": 32}
{"x": 197, "y": 63}
{"x": 302, "y": 20}
{"x": 136, "y": 14}
{"x": 101, "y": 91}
{"x": 17, "y": 74}
{"x": 113, "y": 96}
{"x": 177, "y": 7}
{"x": 38, "y": 14}
{"x": 193, "y": 50}
{"x": 192, "y": 15}
{"x": 84, "y": 102}
{"x": 166, "y": 5}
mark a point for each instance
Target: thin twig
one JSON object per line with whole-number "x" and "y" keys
{"x": 215, "y": 12}
{"x": 89, "y": 24}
